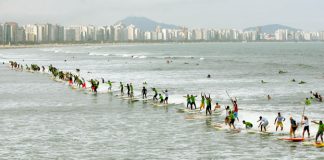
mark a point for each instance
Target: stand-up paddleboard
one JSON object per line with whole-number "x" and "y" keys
{"x": 318, "y": 145}
{"x": 299, "y": 139}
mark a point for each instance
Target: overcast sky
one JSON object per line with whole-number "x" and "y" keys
{"x": 303, "y": 14}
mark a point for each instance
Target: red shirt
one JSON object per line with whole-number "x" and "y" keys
{"x": 235, "y": 107}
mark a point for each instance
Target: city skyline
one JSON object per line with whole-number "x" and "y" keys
{"x": 194, "y": 14}
{"x": 13, "y": 33}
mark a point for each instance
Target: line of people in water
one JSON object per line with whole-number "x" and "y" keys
{"x": 230, "y": 117}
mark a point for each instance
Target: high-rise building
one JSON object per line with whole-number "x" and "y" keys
{"x": 131, "y": 33}
{"x": 69, "y": 34}
{"x": 1, "y": 33}
{"x": 20, "y": 35}
{"x": 10, "y": 31}
{"x": 30, "y": 33}
{"x": 41, "y": 34}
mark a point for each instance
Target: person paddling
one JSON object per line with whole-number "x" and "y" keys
{"x": 306, "y": 126}
{"x": 308, "y": 102}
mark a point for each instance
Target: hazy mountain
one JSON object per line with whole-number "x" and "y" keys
{"x": 145, "y": 23}
{"x": 271, "y": 28}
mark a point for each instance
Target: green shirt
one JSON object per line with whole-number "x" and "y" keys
{"x": 308, "y": 102}
{"x": 202, "y": 99}
{"x": 232, "y": 115}
{"x": 321, "y": 128}
{"x": 192, "y": 99}
{"x": 188, "y": 99}
{"x": 208, "y": 101}
{"x": 248, "y": 124}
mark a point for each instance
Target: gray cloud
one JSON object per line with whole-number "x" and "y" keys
{"x": 305, "y": 14}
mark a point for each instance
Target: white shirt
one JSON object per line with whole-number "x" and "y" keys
{"x": 306, "y": 123}
{"x": 264, "y": 120}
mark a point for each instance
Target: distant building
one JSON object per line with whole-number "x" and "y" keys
{"x": 1, "y": 33}
{"x": 30, "y": 33}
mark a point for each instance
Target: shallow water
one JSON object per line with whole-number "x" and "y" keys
{"x": 43, "y": 119}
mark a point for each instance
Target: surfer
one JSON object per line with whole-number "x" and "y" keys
{"x": 302, "y": 82}
{"x": 279, "y": 121}
{"x": 128, "y": 90}
{"x": 155, "y": 94}
{"x": 131, "y": 90}
{"x": 202, "y": 104}
{"x": 269, "y": 98}
{"x": 262, "y": 81}
{"x": 293, "y": 127}
{"x": 110, "y": 85}
{"x": 166, "y": 94}
{"x": 263, "y": 123}
{"x": 144, "y": 92}
{"x": 308, "y": 102}
{"x": 121, "y": 88}
{"x": 208, "y": 102}
{"x": 188, "y": 101}
{"x": 306, "y": 126}
{"x": 232, "y": 119}
{"x": 217, "y": 106}
{"x": 235, "y": 109}
{"x": 227, "y": 111}
{"x": 161, "y": 98}
{"x": 320, "y": 130}
{"x": 248, "y": 125}
{"x": 193, "y": 101}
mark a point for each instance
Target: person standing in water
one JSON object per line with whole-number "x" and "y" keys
{"x": 144, "y": 92}
{"x": 110, "y": 85}
{"x": 202, "y": 104}
{"x": 155, "y": 94}
{"x": 227, "y": 113}
{"x": 232, "y": 119}
{"x": 293, "y": 127}
{"x": 235, "y": 109}
{"x": 306, "y": 126}
{"x": 161, "y": 98}
{"x": 166, "y": 94}
{"x": 263, "y": 123}
{"x": 121, "y": 88}
{"x": 320, "y": 130}
{"x": 208, "y": 102}
{"x": 193, "y": 101}
{"x": 279, "y": 121}
{"x": 128, "y": 90}
{"x": 131, "y": 90}
{"x": 188, "y": 101}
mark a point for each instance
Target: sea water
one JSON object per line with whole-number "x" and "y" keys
{"x": 41, "y": 118}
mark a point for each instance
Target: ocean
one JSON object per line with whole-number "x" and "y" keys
{"x": 45, "y": 119}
